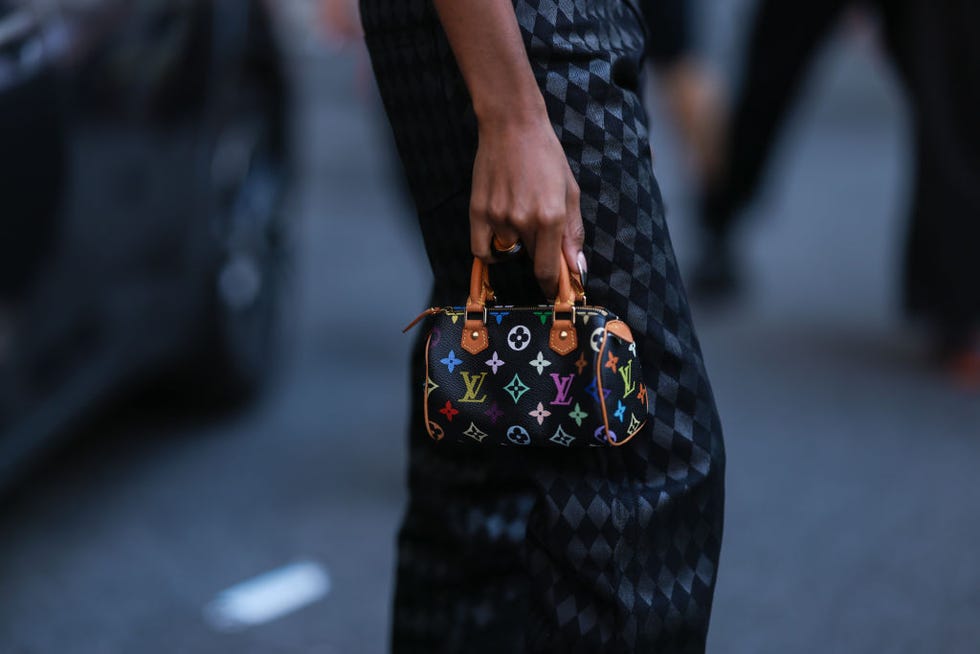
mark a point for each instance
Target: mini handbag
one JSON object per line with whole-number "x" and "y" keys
{"x": 563, "y": 375}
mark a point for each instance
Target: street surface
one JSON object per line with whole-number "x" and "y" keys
{"x": 852, "y": 497}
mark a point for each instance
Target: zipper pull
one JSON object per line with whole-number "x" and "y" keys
{"x": 425, "y": 314}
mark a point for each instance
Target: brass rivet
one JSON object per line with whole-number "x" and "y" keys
{"x": 475, "y": 335}
{"x": 563, "y": 335}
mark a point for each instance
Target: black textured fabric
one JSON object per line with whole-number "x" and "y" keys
{"x": 552, "y": 550}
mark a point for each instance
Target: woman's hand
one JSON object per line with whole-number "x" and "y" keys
{"x": 523, "y": 189}
{"x": 522, "y": 186}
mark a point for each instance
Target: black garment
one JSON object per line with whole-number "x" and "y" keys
{"x": 937, "y": 53}
{"x": 551, "y": 550}
{"x": 669, "y": 30}
{"x": 935, "y": 49}
{"x": 782, "y": 41}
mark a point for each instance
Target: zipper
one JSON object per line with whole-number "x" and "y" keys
{"x": 436, "y": 310}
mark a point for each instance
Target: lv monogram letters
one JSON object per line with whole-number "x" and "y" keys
{"x": 626, "y": 372}
{"x": 562, "y": 387}
{"x": 473, "y": 385}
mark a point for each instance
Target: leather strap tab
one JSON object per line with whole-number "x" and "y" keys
{"x": 475, "y": 338}
{"x": 620, "y": 329}
{"x": 563, "y": 338}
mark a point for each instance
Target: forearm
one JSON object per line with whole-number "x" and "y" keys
{"x": 489, "y": 50}
{"x": 523, "y": 187}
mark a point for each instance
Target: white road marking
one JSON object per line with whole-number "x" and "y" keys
{"x": 268, "y": 596}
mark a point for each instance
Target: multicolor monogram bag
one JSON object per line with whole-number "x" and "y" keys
{"x": 565, "y": 375}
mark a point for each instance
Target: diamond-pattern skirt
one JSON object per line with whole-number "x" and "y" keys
{"x": 548, "y": 550}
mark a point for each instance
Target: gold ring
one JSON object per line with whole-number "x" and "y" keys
{"x": 501, "y": 251}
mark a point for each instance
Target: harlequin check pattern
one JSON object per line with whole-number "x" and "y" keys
{"x": 507, "y": 549}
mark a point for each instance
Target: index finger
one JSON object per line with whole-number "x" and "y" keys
{"x": 547, "y": 256}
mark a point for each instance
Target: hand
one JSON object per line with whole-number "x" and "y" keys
{"x": 523, "y": 189}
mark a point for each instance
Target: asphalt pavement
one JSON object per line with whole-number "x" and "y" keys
{"x": 852, "y": 502}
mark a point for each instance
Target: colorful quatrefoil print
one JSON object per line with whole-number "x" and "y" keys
{"x": 519, "y": 392}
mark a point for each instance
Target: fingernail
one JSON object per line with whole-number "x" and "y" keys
{"x": 583, "y": 268}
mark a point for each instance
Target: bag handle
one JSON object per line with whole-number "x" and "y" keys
{"x": 563, "y": 338}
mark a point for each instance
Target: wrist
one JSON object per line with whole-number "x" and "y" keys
{"x": 500, "y": 111}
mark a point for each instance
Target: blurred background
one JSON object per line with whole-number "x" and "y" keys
{"x": 193, "y": 194}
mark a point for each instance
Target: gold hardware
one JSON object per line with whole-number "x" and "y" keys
{"x": 475, "y": 335}
{"x": 563, "y": 335}
{"x": 554, "y": 312}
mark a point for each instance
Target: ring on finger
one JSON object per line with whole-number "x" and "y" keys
{"x": 501, "y": 250}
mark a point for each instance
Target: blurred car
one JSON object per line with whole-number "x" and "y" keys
{"x": 144, "y": 166}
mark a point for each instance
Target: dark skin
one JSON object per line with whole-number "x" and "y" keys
{"x": 523, "y": 188}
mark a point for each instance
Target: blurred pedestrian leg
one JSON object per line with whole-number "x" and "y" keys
{"x": 937, "y": 52}
{"x": 783, "y": 40}
{"x": 689, "y": 87}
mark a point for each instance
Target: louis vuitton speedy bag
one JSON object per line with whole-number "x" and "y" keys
{"x": 564, "y": 375}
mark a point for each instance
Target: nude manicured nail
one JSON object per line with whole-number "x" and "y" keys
{"x": 583, "y": 268}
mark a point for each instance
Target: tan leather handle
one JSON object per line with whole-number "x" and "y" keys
{"x": 570, "y": 288}
{"x": 563, "y": 336}
{"x": 480, "y": 289}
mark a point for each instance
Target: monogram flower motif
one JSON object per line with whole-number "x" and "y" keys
{"x": 518, "y": 435}
{"x": 499, "y": 315}
{"x": 596, "y": 339}
{"x": 451, "y": 361}
{"x": 449, "y": 411}
{"x": 593, "y": 390}
{"x": 494, "y": 412}
{"x": 474, "y": 432}
{"x": 540, "y": 413}
{"x": 562, "y": 437}
{"x": 516, "y": 388}
{"x": 578, "y": 414}
{"x": 436, "y": 432}
{"x": 540, "y": 363}
{"x": 518, "y": 338}
{"x": 601, "y": 436}
{"x": 495, "y": 362}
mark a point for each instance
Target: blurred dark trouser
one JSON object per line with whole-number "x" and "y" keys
{"x": 781, "y": 45}
{"x": 937, "y": 52}
{"x": 669, "y": 33}
{"x": 31, "y": 175}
